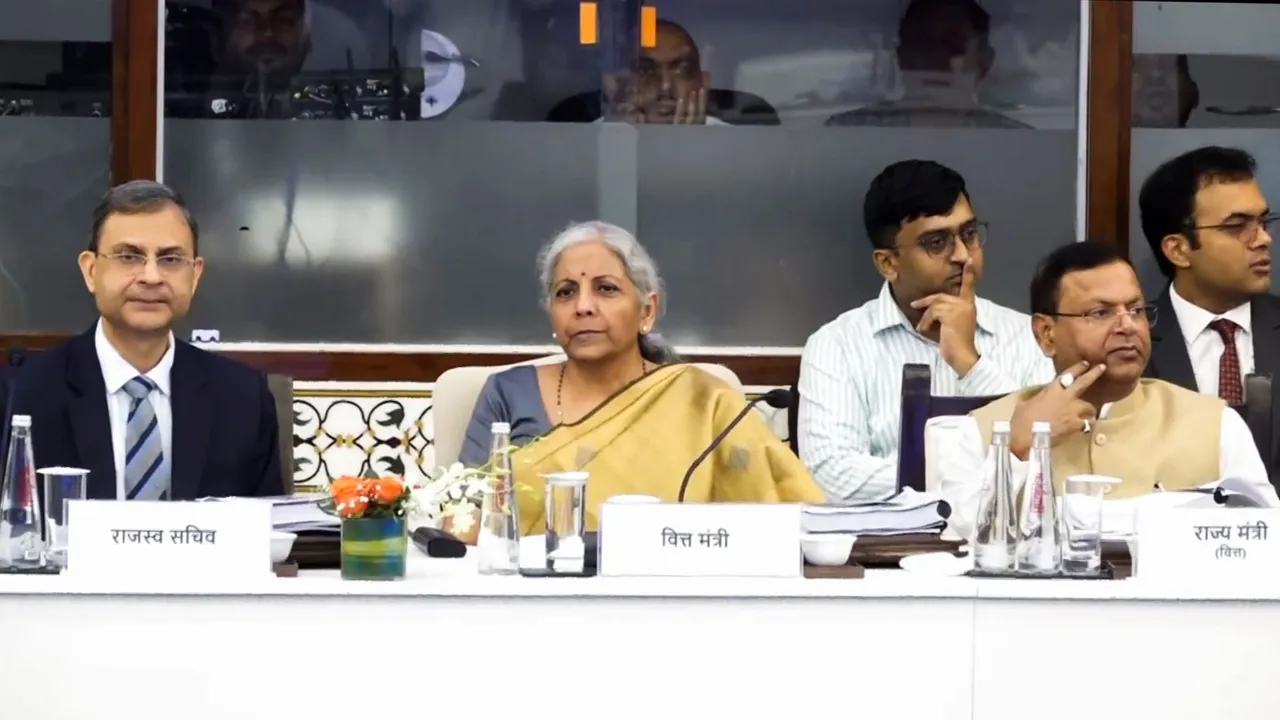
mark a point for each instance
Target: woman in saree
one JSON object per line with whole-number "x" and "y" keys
{"x": 622, "y": 405}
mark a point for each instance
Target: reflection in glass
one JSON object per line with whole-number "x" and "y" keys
{"x": 55, "y": 88}
{"x": 422, "y": 230}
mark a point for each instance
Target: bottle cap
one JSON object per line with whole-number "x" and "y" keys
{"x": 1000, "y": 426}
{"x": 500, "y": 428}
{"x": 23, "y": 421}
{"x": 1040, "y": 426}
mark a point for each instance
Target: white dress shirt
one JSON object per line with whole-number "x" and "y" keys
{"x": 1204, "y": 344}
{"x": 851, "y": 387}
{"x": 963, "y": 464}
{"x": 116, "y": 371}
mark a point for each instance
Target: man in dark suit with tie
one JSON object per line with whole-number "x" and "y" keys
{"x": 1208, "y": 225}
{"x": 152, "y": 418}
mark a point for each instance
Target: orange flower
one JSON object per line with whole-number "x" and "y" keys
{"x": 345, "y": 485}
{"x": 387, "y": 490}
{"x": 351, "y": 505}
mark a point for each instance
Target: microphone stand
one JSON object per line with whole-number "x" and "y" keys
{"x": 777, "y": 398}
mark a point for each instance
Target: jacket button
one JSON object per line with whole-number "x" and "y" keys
{"x": 1100, "y": 439}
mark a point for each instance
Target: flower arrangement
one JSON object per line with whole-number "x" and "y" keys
{"x": 452, "y": 498}
{"x": 374, "y": 512}
{"x": 352, "y": 496}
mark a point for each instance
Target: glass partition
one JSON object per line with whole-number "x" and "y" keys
{"x": 385, "y": 170}
{"x": 1205, "y": 73}
{"x": 55, "y": 148}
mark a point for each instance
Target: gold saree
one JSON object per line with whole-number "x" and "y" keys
{"x": 643, "y": 439}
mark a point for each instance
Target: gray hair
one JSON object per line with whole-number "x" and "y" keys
{"x": 640, "y": 268}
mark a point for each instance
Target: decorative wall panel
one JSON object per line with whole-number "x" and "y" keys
{"x": 345, "y": 428}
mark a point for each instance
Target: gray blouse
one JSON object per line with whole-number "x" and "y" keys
{"x": 511, "y": 396}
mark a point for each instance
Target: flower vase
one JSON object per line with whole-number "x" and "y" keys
{"x": 374, "y": 548}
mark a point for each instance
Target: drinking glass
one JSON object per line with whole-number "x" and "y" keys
{"x": 61, "y": 485}
{"x": 566, "y": 516}
{"x": 1082, "y": 523}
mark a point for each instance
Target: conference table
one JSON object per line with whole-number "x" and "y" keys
{"x": 447, "y": 642}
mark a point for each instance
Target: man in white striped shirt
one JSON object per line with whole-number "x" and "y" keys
{"x": 927, "y": 243}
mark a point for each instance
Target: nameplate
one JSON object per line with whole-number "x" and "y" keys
{"x": 700, "y": 540}
{"x": 1223, "y": 543}
{"x": 229, "y": 539}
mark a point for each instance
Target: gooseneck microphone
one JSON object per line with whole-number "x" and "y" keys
{"x": 779, "y": 398}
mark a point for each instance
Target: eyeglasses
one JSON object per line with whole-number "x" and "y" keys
{"x": 1141, "y": 315}
{"x": 1245, "y": 230}
{"x": 136, "y": 263}
{"x": 942, "y": 243}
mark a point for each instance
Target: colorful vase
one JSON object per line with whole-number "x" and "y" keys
{"x": 374, "y": 548}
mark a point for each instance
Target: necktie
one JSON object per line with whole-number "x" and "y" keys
{"x": 146, "y": 476}
{"x": 1230, "y": 387}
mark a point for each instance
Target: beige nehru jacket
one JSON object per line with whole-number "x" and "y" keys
{"x": 1160, "y": 432}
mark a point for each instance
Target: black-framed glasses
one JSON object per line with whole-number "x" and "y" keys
{"x": 136, "y": 262}
{"x": 1244, "y": 229}
{"x": 942, "y": 242}
{"x": 1141, "y": 315}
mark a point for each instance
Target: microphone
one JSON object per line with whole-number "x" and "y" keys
{"x": 779, "y": 398}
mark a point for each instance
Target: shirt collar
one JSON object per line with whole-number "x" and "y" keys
{"x": 116, "y": 371}
{"x": 887, "y": 314}
{"x": 1194, "y": 320}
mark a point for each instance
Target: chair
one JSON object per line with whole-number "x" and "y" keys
{"x": 454, "y": 396}
{"x": 281, "y": 387}
{"x": 1257, "y": 412}
{"x": 793, "y": 420}
{"x": 918, "y": 406}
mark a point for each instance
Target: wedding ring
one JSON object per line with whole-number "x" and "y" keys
{"x": 1088, "y": 426}
{"x": 1066, "y": 379}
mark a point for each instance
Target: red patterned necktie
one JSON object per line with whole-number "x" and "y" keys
{"x": 1230, "y": 388}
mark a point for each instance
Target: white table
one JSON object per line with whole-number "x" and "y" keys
{"x": 448, "y": 641}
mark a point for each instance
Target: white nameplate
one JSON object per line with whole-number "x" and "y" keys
{"x": 700, "y": 540}
{"x": 169, "y": 539}
{"x": 1211, "y": 542}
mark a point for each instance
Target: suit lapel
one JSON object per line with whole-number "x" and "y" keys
{"x": 89, "y": 421}
{"x": 1266, "y": 335}
{"x": 191, "y": 422}
{"x": 1169, "y": 359}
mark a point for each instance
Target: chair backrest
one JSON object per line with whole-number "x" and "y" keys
{"x": 281, "y": 387}
{"x": 1257, "y": 413}
{"x": 454, "y": 399}
{"x": 918, "y": 406}
{"x": 793, "y": 420}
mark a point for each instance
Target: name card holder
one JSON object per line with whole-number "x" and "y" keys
{"x": 1220, "y": 543}
{"x": 700, "y": 540}
{"x": 230, "y": 539}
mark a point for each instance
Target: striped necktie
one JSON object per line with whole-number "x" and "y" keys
{"x": 146, "y": 475}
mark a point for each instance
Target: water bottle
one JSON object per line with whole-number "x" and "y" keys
{"x": 22, "y": 543}
{"x": 1039, "y": 545}
{"x": 995, "y": 537}
{"x": 498, "y": 543}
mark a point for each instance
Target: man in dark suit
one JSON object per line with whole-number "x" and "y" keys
{"x": 1208, "y": 225}
{"x": 152, "y": 418}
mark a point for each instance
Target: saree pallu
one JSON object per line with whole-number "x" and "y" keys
{"x": 643, "y": 439}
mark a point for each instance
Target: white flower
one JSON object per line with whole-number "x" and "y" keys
{"x": 447, "y": 488}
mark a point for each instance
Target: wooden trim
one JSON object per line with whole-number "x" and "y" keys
{"x": 376, "y": 367}
{"x": 135, "y": 50}
{"x": 1110, "y": 117}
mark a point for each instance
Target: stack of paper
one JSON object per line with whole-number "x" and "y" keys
{"x": 907, "y": 513}
{"x": 300, "y": 513}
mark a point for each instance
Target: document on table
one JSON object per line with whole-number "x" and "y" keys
{"x": 906, "y": 513}
{"x": 295, "y": 513}
{"x": 1118, "y": 516}
{"x": 301, "y": 513}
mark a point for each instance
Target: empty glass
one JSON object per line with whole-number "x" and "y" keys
{"x": 61, "y": 485}
{"x": 566, "y": 519}
{"x": 1082, "y": 523}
